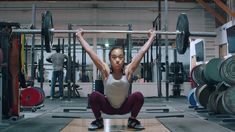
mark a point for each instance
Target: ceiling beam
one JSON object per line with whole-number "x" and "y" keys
{"x": 225, "y": 8}
{"x": 220, "y": 18}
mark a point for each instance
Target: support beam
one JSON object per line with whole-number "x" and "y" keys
{"x": 225, "y": 8}
{"x": 220, "y": 18}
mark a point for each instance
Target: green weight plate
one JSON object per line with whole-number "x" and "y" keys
{"x": 198, "y": 75}
{"x": 221, "y": 87}
{"x": 219, "y": 105}
{"x": 227, "y": 70}
{"x": 203, "y": 93}
{"x": 228, "y": 100}
{"x": 212, "y": 102}
{"x": 211, "y": 71}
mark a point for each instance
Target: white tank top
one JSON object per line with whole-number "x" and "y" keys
{"x": 116, "y": 91}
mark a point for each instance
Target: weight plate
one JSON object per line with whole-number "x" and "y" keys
{"x": 228, "y": 100}
{"x": 226, "y": 70}
{"x": 31, "y": 97}
{"x": 211, "y": 106}
{"x": 198, "y": 75}
{"x": 211, "y": 71}
{"x": 221, "y": 87}
{"x": 182, "y": 40}
{"x": 202, "y": 94}
{"x": 219, "y": 105}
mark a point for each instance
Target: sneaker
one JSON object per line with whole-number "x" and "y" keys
{"x": 96, "y": 124}
{"x": 61, "y": 98}
{"x": 51, "y": 98}
{"x": 135, "y": 124}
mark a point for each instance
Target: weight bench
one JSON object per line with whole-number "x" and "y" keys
{"x": 65, "y": 85}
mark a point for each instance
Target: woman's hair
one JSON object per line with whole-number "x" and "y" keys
{"x": 110, "y": 52}
{"x": 114, "y": 49}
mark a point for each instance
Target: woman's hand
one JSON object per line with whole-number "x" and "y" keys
{"x": 151, "y": 33}
{"x": 79, "y": 32}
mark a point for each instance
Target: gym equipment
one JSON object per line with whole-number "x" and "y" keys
{"x": 212, "y": 103}
{"x": 182, "y": 40}
{"x": 219, "y": 105}
{"x": 228, "y": 100}
{"x": 32, "y": 96}
{"x": 202, "y": 94}
{"x": 182, "y": 32}
{"x": 99, "y": 86}
{"x": 198, "y": 75}
{"x": 226, "y": 70}
{"x": 211, "y": 106}
{"x": 14, "y": 70}
{"x": 211, "y": 71}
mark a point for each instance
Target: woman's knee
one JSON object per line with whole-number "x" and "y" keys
{"x": 94, "y": 96}
{"x": 139, "y": 96}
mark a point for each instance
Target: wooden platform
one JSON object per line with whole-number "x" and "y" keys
{"x": 81, "y": 125}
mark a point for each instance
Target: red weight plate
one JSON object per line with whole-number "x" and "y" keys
{"x": 31, "y": 97}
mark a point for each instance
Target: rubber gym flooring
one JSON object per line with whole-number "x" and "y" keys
{"x": 73, "y": 116}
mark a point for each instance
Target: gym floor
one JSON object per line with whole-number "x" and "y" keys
{"x": 53, "y": 117}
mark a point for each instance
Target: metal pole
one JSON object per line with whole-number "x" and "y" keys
{"x": 40, "y": 63}
{"x": 33, "y": 43}
{"x": 26, "y": 57}
{"x": 129, "y": 49}
{"x": 69, "y": 65}
{"x": 129, "y": 44}
{"x": 74, "y": 63}
{"x": 95, "y": 77}
{"x": 38, "y": 31}
{"x": 159, "y": 54}
{"x": 147, "y": 66}
{"x": 1, "y": 96}
{"x": 166, "y": 51}
{"x": 63, "y": 46}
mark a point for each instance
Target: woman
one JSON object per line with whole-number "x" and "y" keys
{"x": 116, "y": 80}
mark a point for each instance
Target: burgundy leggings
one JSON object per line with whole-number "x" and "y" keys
{"x": 132, "y": 104}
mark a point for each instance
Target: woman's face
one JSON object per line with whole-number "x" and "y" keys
{"x": 117, "y": 58}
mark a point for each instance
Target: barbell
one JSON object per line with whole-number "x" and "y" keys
{"x": 182, "y": 32}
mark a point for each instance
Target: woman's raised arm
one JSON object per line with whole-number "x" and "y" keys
{"x": 137, "y": 58}
{"x": 103, "y": 67}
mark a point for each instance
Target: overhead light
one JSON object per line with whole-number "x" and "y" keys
{"x": 106, "y": 44}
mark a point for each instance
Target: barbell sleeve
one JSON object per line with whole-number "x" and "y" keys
{"x": 203, "y": 34}
{"x": 27, "y": 31}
